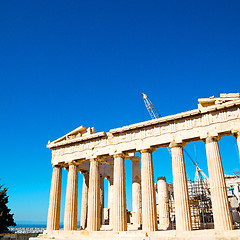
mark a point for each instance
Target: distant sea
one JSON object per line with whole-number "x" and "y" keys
{"x": 37, "y": 225}
{"x": 31, "y": 225}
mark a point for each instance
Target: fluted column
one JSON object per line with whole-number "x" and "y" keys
{"x": 163, "y": 203}
{"x": 221, "y": 212}
{"x": 102, "y": 199}
{"x": 55, "y": 199}
{"x": 110, "y": 194}
{"x": 237, "y": 136}
{"x": 70, "y": 215}
{"x": 120, "y": 211}
{"x": 93, "y": 219}
{"x": 136, "y": 192}
{"x": 149, "y": 211}
{"x": 84, "y": 205}
{"x": 180, "y": 188}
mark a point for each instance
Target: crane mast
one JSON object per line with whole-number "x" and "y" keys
{"x": 151, "y": 109}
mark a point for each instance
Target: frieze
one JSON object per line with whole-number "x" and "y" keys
{"x": 154, "y": 133}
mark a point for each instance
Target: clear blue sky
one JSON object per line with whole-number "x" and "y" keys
{"x": 69, "y": 63}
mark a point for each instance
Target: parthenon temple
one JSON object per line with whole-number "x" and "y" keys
{"x": 101, "y": 155}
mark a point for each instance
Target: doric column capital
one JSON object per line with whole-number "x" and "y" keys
{"x": 174, "y": 144}
{"x": 84, "y": 172}
{"x": 67, "y": 165}
{"x": 93, "y": 160}
{"x": 148, "y": 150}
{"x": 161, "y": 178}
{"x": 212, "y": 139}
{"x": 236, "y": 133}
{"x": 135, "y": 159}
{"x": 122, "y": 155}
{"x": 72, "y": 163}
{"x": 109, "y": 178}
{"x": 57, "y": 166}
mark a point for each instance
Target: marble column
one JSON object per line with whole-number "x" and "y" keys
{"x": 110, "y": 194}
{"x": 221, "y": 211}
{"x": 84, "y": 205}
{"x": 71, "y": 202}
{"x": 55, "y": 199}
{"x": 102, "y": 199}
{"x": 180, "y": 188}
{"x": 163, "y": 203}
{"x": 136, "y": 192}
{"x": 149, "y": 211}
{"x": 93, "y": 219}
{"x": 120, "y": 211}
{"x": 237, "y": 136}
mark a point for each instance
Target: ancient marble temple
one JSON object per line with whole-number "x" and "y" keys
{"x": 99, "y": 155}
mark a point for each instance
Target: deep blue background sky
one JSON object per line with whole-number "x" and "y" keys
{"x": 69, "y": 63}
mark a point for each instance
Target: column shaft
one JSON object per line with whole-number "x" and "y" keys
{"x": 149, "y": 211}
{"x": 84, "y": 205}
{"x": 102, "y": 199}
{"x": 180, "y": 187}
{"x": 237, "y": 136}
{"x": 220, "y": 204}
{"x": 70, "y": 216}
{"x": 136, "y": 192}
{"x": 110, "y": 195}
{"x": 55, "y": 199}
{"x": 120, "y": 211}
{"x": 163, "y": 203}
{"x": 93, "y": 219}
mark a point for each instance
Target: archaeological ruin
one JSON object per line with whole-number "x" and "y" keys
{"x": 101, "y": 155}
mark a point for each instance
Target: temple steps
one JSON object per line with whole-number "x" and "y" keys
{"x": 140, "y": 235}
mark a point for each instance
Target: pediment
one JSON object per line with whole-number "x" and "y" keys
{"x": 76, "y": 133}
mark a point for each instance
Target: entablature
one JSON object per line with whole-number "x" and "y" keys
{"x": 216, "y": 120}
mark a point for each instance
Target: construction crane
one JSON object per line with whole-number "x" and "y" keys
{"x": 151, "y": 109}
{"x": 154, "y": 115}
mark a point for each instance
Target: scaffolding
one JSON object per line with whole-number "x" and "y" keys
{"x": 200, "y": 202}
